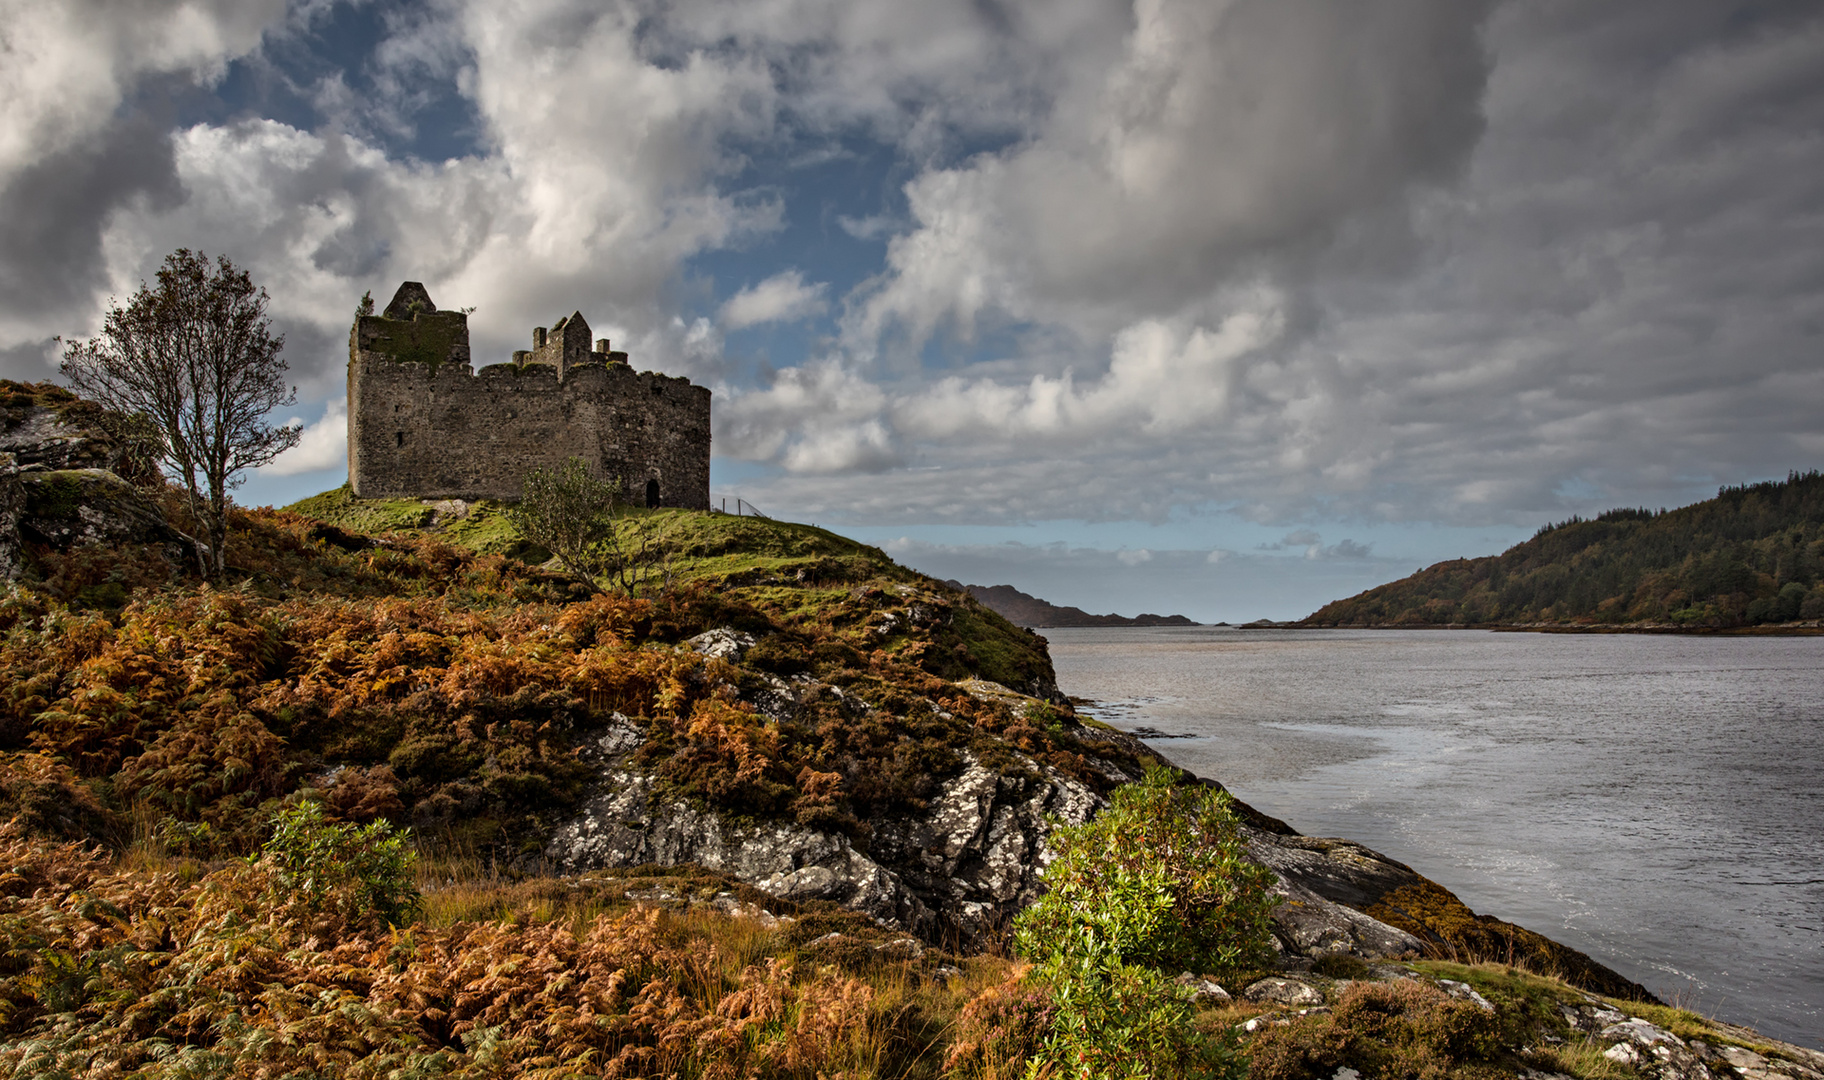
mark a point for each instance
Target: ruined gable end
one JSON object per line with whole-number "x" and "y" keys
{"x": 423, "y": 422}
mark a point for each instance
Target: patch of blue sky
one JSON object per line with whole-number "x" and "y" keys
{"x": 856, "y": 184}
{"x": 262, "y": 488}
{"x": 417, "y": 111}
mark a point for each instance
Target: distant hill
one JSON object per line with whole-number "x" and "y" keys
{"x": 1022, "y": 609}
{"x": 1754, "y": 555}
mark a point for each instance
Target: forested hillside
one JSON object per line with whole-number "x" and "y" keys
{"x": 1752, "y": 556}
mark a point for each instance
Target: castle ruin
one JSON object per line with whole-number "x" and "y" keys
{"x": 423, "y": 423}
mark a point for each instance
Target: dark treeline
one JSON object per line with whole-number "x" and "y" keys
{"x": 1752, "y": 555}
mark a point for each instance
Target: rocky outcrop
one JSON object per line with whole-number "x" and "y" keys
{"x": 1392, "y": 896}
{"x": 56, "y": 490}
{"x": 952, "y": 873}
{"x": 68, "y": 508}
{"x": 1652, "y": 1051}
{"x": 1309, "y": 925}
{"x": 973, "y": 856}
{"x": 42, "y": 438}
{"x": 12, "y": 500}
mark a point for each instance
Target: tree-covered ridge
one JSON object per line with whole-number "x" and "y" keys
{"x": 1754, "y": 555}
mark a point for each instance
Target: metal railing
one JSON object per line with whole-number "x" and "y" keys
{"x": 743, "y": 508}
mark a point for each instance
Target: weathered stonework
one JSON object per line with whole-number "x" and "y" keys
{"x": 423, "y": 423}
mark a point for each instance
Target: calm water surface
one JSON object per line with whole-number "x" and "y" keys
{"x": 1655, "y": 801}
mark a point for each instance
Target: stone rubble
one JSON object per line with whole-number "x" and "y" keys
{"x": 1283, "y": 992}
{"x": 1462, "y": 992}
{"x": 1204, "y": 991}
{"x": 722, "y": 644}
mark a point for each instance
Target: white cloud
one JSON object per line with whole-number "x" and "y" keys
{"x": 1155, "y": 254}
{"x": 68, "y": 64}
{"x": 323, "y": 444}
{"x": 784, "y": 297}
{"x": 824, "y": 406}
{"x": 1225, "y": 136}
{"x": 872, "y": 227}
{"x": 1133, "y": 557}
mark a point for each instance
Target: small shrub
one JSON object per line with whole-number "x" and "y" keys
{"x": 1122, "y": 1021}
{"x": 353, "y": 870}
{"x": 1341, "y": 966}
{"x": 1161, "y": 877}
{"x": 1158, "y": 880}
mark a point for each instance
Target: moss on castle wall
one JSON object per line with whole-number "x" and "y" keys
{"x": 427, "y": 339}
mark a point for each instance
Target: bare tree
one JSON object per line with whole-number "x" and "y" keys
{"x": 194, "y": 359}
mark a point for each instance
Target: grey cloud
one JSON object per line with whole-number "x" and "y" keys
{"x": 53, "y": 212}
{"x": 1617, "y": 299}
{"x": 29, "y": 361}
{"x": 1227, "y": 140}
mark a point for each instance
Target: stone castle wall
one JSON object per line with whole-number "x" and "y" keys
{"x": 422, "y": 422}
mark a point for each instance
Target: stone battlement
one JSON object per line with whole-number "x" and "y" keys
{"x": 422, "y": 422}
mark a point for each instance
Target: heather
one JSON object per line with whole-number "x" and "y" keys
{"x": 408, "y": 678}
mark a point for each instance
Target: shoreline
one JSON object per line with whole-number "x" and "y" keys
{"x": 1810, "y": 629}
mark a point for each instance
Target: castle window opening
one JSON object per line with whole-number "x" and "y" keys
{"x": 652, "y": 494}
{"x": 398, "y": 438}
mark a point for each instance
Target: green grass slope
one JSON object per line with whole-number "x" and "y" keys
{"x": 1751, "y": 557}
{"x": 799, "y": 573}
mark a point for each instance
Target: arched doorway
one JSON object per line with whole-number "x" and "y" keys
{"x": 652, "y": 494}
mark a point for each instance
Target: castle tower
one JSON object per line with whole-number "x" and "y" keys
{"x": 423, "y": 423}
{"x": 563, "y": 346}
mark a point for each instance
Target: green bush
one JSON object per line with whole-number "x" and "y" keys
{"x": 1155, "y": 884}
{"x": 1120, "y": 1021}
{"x": 1161, "y": 878}
{"x": 352, "y": 870}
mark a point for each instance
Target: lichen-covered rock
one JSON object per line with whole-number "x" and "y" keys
{"x": 723, "y": 643}
{"x": 67, "y": 508}
{"x": 1284, "y": 992}
{"x": 628, "y": 823}
{"x": 1306, "y": 924}
{"x": 1653, "y": 1051}
{"x": 960, "y": 869}
{"x": 1464, "y": 992}
{"x": 1204, "y": 991}
{"x": 44, "y": 439}
{"x": 12, "y": 498}
{"x": 1752, "y": 1066}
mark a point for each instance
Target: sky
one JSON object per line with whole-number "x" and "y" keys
{"x": 1225, "y": 308}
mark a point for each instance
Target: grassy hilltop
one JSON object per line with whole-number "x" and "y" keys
{"x": 1751, "y": 557}
{"x": 396, "y": 661}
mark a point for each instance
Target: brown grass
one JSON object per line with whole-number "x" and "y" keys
{"x": 118, "y": 966}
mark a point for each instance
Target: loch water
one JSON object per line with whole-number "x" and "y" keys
{"x": 1656, "y": 801}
